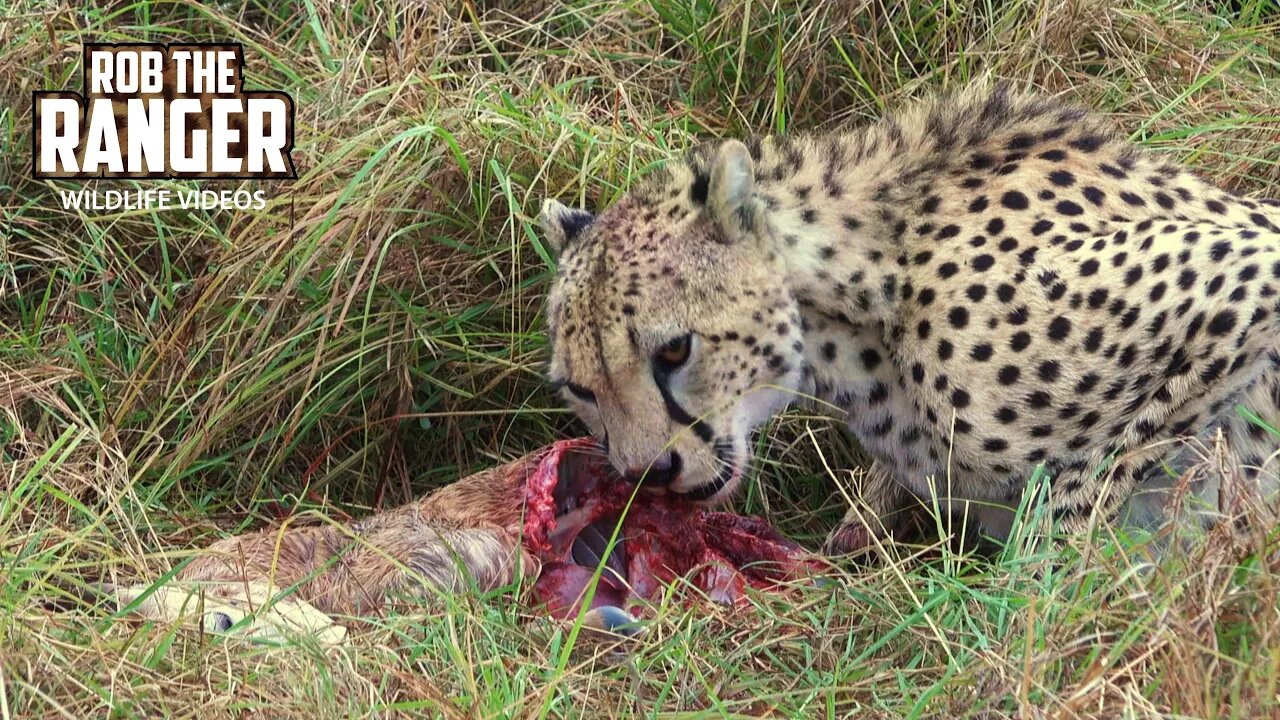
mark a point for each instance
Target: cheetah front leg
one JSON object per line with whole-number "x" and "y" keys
{"x": 1094, "y": 495}
{"x": 877, "y": 509}
{"x": 1136, "y": 489}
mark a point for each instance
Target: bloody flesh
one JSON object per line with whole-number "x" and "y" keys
{"x": 572, "y": 505}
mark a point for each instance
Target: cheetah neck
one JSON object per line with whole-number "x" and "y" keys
{"x": 839, "y": 237}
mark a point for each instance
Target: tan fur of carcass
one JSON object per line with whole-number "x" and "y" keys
{"x": 462, "y": 535}
{"x": 278, "y": 581}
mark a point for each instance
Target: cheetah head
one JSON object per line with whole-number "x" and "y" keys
{"x": 673, "y": 334}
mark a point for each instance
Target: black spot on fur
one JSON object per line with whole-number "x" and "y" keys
{"x": 698, "y": 191}
{"x": 1014, "y": 200}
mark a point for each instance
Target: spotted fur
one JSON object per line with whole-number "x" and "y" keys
{"x": 980, "y": 284}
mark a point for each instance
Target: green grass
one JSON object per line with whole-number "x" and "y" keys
{"x": 168, "y": 378}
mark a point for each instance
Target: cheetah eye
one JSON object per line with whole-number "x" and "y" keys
{"x": 675, "y": 353}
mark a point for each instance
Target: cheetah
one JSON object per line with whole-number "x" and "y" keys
{"x": 987, "y": 286}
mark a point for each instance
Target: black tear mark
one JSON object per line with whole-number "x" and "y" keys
{"x": 677, "y": 413}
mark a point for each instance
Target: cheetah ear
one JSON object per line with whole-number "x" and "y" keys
{"x": 562, "y": 225}
{"x": 730, "y": 196}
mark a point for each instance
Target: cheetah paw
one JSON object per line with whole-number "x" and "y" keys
{"x": 851, "y": 537}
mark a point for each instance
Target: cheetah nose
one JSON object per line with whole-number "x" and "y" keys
{"x": 660, "y": 473}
